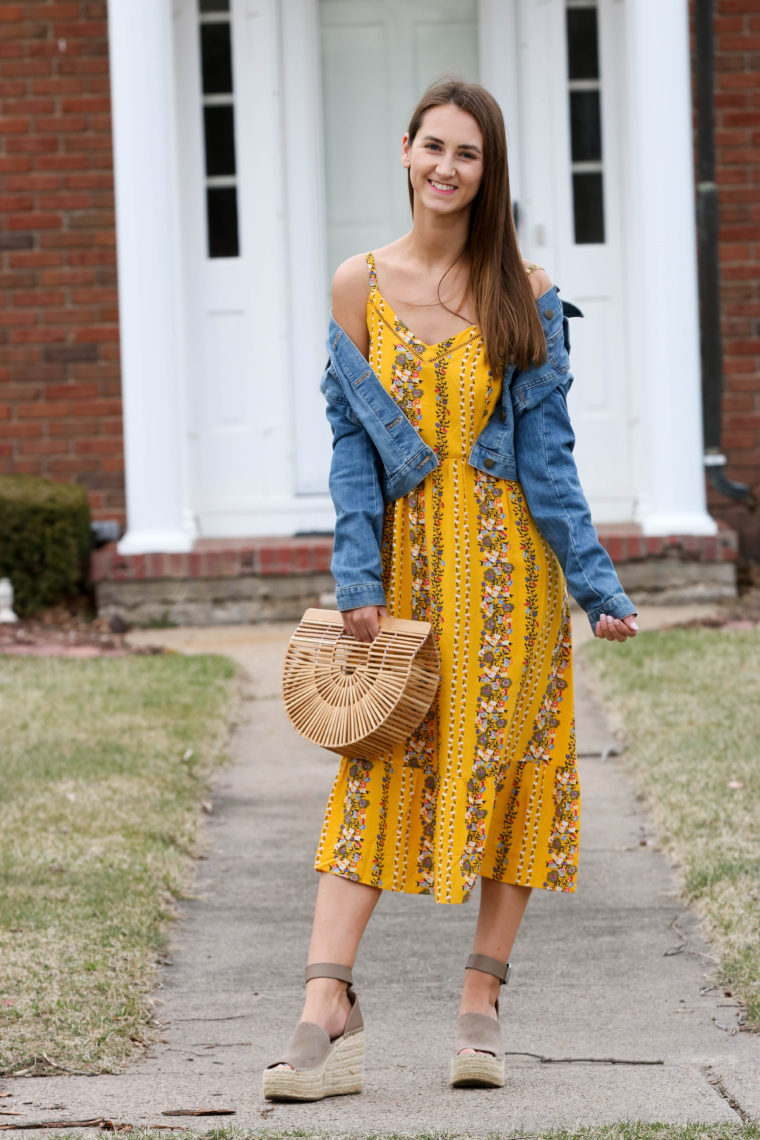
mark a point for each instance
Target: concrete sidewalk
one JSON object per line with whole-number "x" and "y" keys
{"x": 615, "y": 972}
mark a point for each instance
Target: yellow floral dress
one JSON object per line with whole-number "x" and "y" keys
{"x": 488, "y": 784}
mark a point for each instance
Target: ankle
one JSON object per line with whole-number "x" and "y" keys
{"x": 327, "y": 1004}
{"x": 480, "y": 993}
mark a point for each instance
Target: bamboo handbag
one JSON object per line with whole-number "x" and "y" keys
{"x": 359, "y": 698}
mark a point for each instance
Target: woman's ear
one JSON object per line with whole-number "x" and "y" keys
{"x": 405, "y": 157}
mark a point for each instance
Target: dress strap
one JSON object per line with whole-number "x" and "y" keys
{"x": 531, "y": 267}
{"x": 372, "y": 272}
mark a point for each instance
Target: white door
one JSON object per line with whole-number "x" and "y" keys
{"x": 378, "y": 56}
{"x": 571, "y": 126}
{"x": 240, "y": 353}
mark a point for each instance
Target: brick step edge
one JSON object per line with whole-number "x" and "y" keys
{"x": 281, "y": 557}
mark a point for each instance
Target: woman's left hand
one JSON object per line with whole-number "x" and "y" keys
{"x": 616, "y": 629}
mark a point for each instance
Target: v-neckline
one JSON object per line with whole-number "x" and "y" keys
{"x": 420, "y": 346}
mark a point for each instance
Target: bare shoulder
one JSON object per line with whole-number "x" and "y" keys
{"x": 539, "y": 279}
{"x": 350, "y": 290}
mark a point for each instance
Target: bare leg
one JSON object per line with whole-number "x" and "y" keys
{"x": 502, "y": 906}
{"x": 342, "y": 911}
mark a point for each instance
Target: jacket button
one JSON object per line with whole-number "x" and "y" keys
{"x": 502, "y": 415}
{"x": 548, "y": 313}
{"x": 488, "y": 463}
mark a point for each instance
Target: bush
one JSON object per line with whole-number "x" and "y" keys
{"x": 44, "y": 540}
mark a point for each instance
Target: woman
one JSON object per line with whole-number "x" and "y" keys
{"x": 457, "y": 502}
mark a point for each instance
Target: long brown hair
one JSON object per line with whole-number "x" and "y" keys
{"x": 504, "y": 303}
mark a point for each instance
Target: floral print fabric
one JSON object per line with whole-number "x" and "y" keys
{"x": 487, "y": 784}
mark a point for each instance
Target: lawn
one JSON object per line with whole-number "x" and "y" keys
{"x": 689, "y": 703}
{"x": 626, "y": 1130}
{"x": 104, "y": 764}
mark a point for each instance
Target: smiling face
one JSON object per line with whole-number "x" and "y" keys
{"x": 445, "y": 159}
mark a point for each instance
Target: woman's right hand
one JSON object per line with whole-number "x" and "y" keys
{"x": 364, "y": 622}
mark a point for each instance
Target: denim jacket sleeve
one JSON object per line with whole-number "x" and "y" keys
{"x": 357, "y": 497}
{"x": 544, "y": 442}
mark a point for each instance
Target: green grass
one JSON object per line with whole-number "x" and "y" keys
{"x": 627, "y": 1130}
{"x": 689, "y": 703}
{"x": 103, "y": 766}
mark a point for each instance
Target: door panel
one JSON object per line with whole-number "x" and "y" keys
{"x": 378, "y": 56}
{"x": 561, "y": 225}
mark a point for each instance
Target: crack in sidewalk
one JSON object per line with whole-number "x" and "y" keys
{"x": 718, "y": 1083}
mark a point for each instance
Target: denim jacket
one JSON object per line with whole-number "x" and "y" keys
{"x": 378, "y": 455}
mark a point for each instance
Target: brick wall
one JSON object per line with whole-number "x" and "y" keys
{"x": 737, "y": 157}
{"x": 60, "y": 393}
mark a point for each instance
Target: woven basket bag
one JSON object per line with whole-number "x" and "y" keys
{"x": 359, "y": 698}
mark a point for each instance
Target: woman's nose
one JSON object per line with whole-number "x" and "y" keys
{"x": 445, "y": 166}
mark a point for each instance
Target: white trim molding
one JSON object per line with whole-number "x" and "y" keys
{"x": 662, "y": 261}
{"x": 152, "y": 375}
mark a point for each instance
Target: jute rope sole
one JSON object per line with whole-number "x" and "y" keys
{"x": 340, "y": 1073}
{"x": 477, "y": 1070}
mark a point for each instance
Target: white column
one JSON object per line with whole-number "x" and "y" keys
{"x": 662, "y": 250}
{"x": 140, "y": 44}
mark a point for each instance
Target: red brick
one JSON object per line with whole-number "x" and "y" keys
{"x": 36, "y": 335}
{"x": 102, "y": 445}
{"x": 747, "y": 41}
{"x": 29, "y": 106}
{"x": 96, "y": 334}
{"x": 74, "y": 124}
{"x": 35, "y": 222}
{"x": 67, "y": 317}
{"x": 57, "y": 86}
{"x": 15, "y": 66}
{"x": 14, "y": 162}
{"x": 17, "y": 126}
{"x": 93, "y": 181}
{"x": 62, "y": 162}
{"x": 71, "y": 391}
{"x": 13, "y": 317}
{"x": 31, "y": 144}
{"x": 21, "y": 429}
{"x": 17, "y": 202}
{"x": 34, "y": 259}
{"x": 97, "y": 407}
{"x": 26, "y": 467}
{"x": 67, "y": 276}
{"x": 34, "y": 182}
{"x": 39, "y": 447}
{"x": 113, "y": 463}
{"x": 38, "y": 298}
{"x": 48, "y": 12}
{"x": 81, "y": 29}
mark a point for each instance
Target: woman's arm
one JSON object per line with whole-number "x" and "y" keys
{"x": 354, "y": 478}
{"x": 544, "y": 442}
{"x": 350, "y": 290}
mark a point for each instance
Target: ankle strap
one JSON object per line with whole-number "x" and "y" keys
{"x": 486, "y": 965}
{"x": 329, "y": 970}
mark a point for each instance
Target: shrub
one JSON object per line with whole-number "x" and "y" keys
{"x": 44, "y": 540}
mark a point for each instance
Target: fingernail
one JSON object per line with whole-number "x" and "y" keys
{"x": 634, "y": 625}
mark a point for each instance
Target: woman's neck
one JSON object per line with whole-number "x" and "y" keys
{"x": 434, "y": 241}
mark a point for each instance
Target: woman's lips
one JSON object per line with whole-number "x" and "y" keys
{"x": 441, "y": 187}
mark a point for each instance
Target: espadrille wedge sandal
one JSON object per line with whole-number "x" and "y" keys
{"x": 485, "y": 1067}
{"x": 321, "y": 1066}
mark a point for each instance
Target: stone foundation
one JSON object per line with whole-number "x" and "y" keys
{"x": 232, "y": 581}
